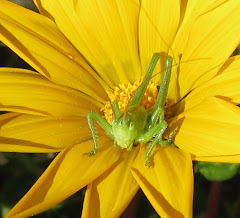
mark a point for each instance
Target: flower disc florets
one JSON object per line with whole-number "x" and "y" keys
{"x": 123, "y": 94}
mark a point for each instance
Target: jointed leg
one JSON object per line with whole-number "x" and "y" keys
{"x": 116, "y": 110}
{"x": 103, "y": 123}
{"x": 154, "y": 131}
{"x": 149, "y": 151}
{"x": 161, "y": 141}
{"x": 156, "y": 117}
{"x": 157, "y": 139}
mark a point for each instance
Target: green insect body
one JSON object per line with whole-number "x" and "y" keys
{"x": 136, "y": 124}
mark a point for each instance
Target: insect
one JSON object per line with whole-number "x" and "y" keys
{"x": 137, "y": 124}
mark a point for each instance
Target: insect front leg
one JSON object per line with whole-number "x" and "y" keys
{"x": 116, "y": 110}
{"x": 117, "y": 114}
{"x": 157, "y": 139}
{"x": 103, "y": 123}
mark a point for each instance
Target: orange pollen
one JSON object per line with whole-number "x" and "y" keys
{"x": 123, "y": 94}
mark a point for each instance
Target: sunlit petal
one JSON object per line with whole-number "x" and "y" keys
{"x": 39, "y": 42}
{"x": 225, "y": 85}
{"x": 157, "y": 28}
{"x": 107, "y": 39}
{"x": 209, "y": 129}
{"x": 209, "y": 28}
{"x": 109, "y": 194}
{"x": 28, "y": 92}
{"x": 169, "y": 183}
{"x": 220, "y": 158}
{"x": 69, "y": 172}
{"x": 33, "y": 134}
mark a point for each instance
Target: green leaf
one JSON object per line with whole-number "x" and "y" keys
{"x": 217, "y": 171}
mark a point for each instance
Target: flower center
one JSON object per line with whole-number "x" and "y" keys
{"x": 123, "y": 94}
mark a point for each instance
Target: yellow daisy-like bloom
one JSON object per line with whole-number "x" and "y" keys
{"x": 82, "y": 50}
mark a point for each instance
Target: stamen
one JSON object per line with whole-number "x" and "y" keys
{"x": 123, "y": 94}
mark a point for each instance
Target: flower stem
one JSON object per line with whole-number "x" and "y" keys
{"x": 213, "y": 199}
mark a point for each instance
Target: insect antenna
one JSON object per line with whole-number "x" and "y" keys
{"x": 178, "y": 64}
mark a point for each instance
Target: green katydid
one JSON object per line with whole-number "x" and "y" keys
{"x": 136, "y": 124}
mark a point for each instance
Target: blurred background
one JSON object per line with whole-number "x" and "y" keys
{"x": 18, "y": 172}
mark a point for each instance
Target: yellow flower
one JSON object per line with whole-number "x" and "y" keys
{"x": 83, "y": 49}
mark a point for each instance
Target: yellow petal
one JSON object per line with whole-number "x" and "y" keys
{"x": 190, "y": 11}
{"x": 207, "y": 37}
{"x": 39, "y": 42}
{"x": 168, "y": 184}
{"x": 69, "y": 172}
{"x": 209, "y": 129}
{"x": 33, "y": 134}
{"x": 110, "y": 194}
{"x": 29, "y": 92}
{"x": 225, "y": 85}
{"x": 158, "y": 23}
{"x": 221, "y": 159}
{"x": 105, "y": 32}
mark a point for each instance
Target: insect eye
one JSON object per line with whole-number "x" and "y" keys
{"x": 131, "y": 125}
